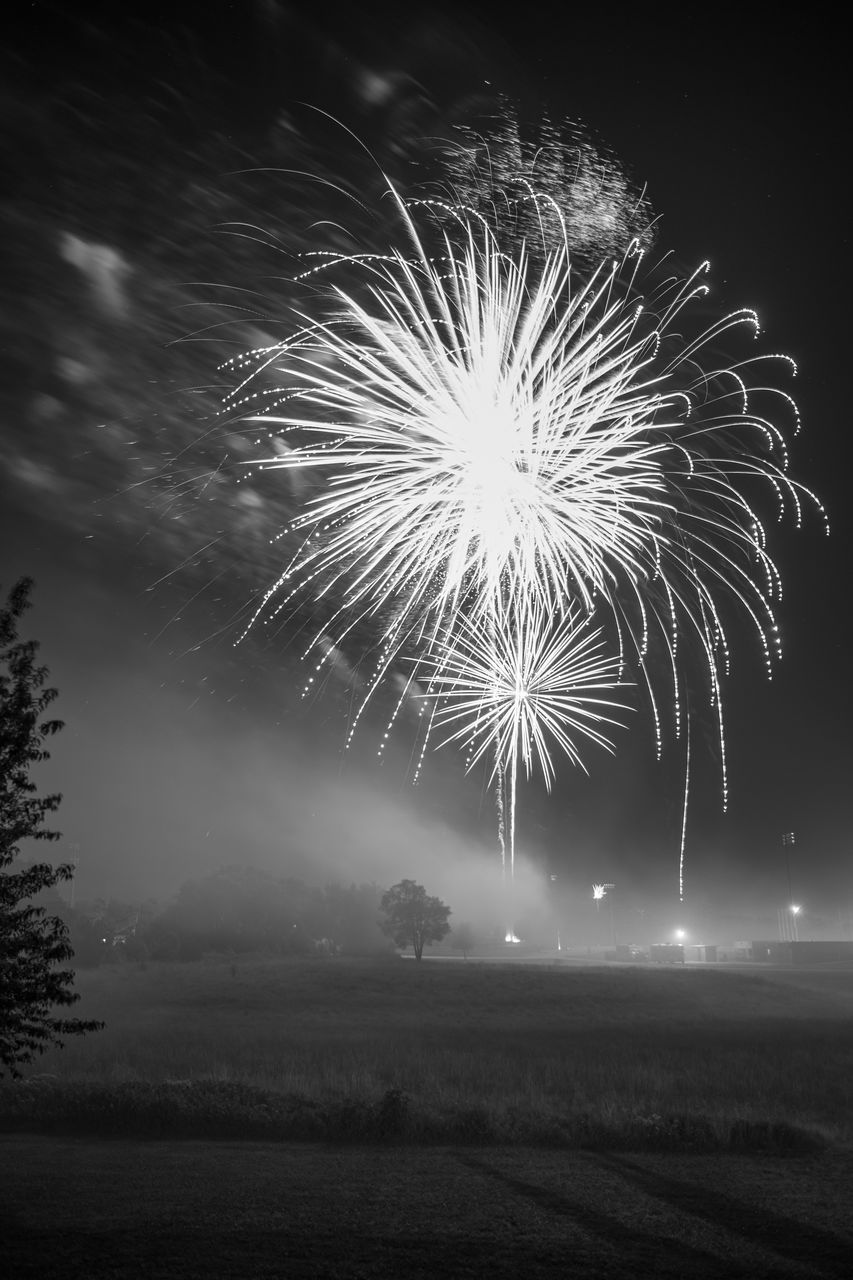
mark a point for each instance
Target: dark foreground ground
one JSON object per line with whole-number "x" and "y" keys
{"x": 163, "y": 1210}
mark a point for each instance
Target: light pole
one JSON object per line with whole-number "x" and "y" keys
{"x": 599, "y": 891}
{"x": 788, "y": 842}
{"x": 554, "y": 911}
{"x": 795, "y": 911}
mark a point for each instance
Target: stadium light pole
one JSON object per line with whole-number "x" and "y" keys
{"x": 788, "y": 841}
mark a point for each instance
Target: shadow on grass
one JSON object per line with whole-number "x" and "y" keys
{"x": 797, "y": 1241}
{"x": 671, "y": 1256}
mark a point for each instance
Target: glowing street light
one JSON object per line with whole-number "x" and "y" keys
{"x": 680, "y": 935}
{"x": 795, "y": 911}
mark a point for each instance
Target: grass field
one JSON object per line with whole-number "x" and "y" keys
{"x": 110, "y": 1209}
{"x": 702, "y": 1059}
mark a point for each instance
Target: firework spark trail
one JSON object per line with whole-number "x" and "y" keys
{"x": 684, "y": 817}
{"x": 497, "y": 444}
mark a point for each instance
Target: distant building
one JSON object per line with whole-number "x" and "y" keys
{"x": 667, "y": 953}
{"x": 801, "y": 953}
{"x": 701, "y": 952}
{"x": 627, "y": 952}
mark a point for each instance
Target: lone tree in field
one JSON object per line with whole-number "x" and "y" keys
{"x": 412, "y": 917}
{"x": 32, "y": 943}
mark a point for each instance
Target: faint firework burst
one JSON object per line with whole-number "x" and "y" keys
{"x": 497, "y": 450}
{"x": 585, "y": 195}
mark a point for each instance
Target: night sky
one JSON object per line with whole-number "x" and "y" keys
{"x": 183, "y": 753}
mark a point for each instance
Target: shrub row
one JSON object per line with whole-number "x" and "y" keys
{"x": 215, "y": 1109}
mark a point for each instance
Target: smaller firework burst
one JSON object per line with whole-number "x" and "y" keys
{"x": 516, "y": 688}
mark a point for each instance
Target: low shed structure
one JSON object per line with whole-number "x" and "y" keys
{"x": 802, "y": 953}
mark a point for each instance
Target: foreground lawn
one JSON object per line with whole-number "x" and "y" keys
{"x": 80, "y": 1207}
{"x": 705, "y": 1059}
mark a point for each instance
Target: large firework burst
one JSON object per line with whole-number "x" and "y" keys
{"x": 497, "y": 443}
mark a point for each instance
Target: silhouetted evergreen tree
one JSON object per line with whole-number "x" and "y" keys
{"x": 32, "y": 943}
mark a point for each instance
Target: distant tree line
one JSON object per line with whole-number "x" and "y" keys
{"x": 236, "y": 911}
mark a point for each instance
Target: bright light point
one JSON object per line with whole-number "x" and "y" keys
{"x": 511, "y": 937}
{"x": 795, "y": 910}
{"x": 680, "y": 935}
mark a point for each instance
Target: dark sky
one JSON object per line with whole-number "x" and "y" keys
{"x": 182, "y": 753}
